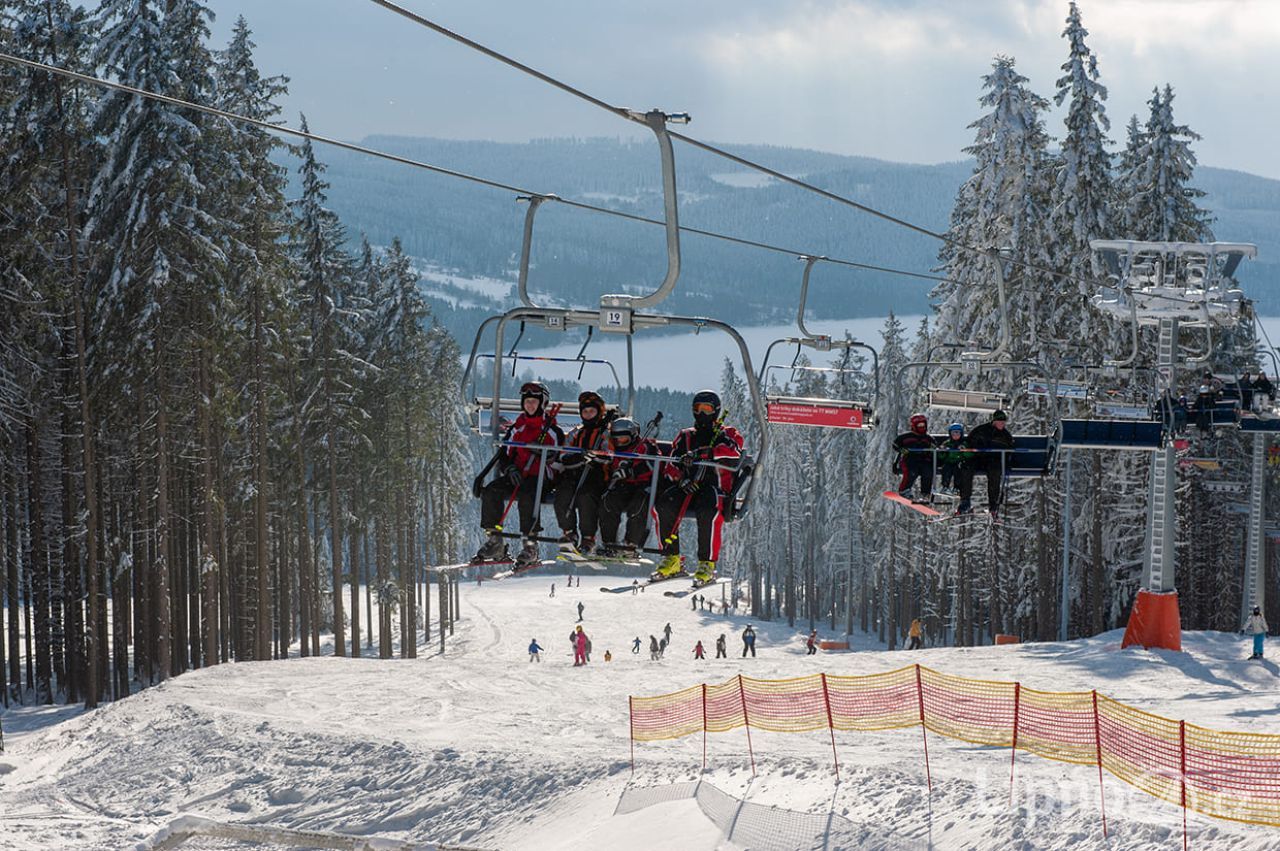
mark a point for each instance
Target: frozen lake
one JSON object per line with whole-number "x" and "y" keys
{"x": 685, "y": 361}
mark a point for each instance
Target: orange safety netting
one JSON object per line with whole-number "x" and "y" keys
{"x": 1221, "y": 774}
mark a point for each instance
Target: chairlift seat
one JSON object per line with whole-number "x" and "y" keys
{"x": 1033, "y": 457}
{"x": 1063, "y": 389}
{"x": 1260, "y": 424}
{"x": 821, "y": 413}
{"x": 966, "y": 400}
{"x": 1112, "y": 434}
{"x": 1108, "y": 411}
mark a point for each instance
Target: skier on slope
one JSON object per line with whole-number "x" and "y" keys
{"x": 748, "y": 641}
{"x": 697, "y": 488}
{"x": 811, "y": 644}
{"x": 720, "y": 648}
{"x": 627, "y": 492}
{"x": 518, "y": 474}
{"x": 993, "y": 441}
{"x": 653, "y": 648}
{"x": 914, "y": 458}
{"x": 698, "y": 652}
{"x": 581, "y": 475}
{"x": 635, "y": 645}
{"x": 914, "y": 633}
{"x": 1256, "y": 626}
{"x": 579, "y": 648}
{"x": 534, "y": 650}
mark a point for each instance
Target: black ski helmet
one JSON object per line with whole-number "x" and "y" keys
{"x": 705, "y": 397}
{"x": 624, "y": 428}
{"x": 536, "y": 390}
{"x": 591, "y": 399}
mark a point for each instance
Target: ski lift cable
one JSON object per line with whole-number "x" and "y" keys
{"x": 638, "y": 117}
{"x": 447, "y": 172}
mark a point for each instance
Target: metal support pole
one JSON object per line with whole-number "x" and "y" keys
{"x": 1064, "y": 604}
{"x": 1158, "y": 567}
{"x": 1255, "y": 574}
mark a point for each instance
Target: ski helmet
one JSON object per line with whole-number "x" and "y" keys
{"x": 706, "y": 407}
{"x": 919, "y": 423}
{"x": 536, "y": 390}
{"x": 624, "y": 433}
{"x": 591, "y": 399}
{"x": 999, "y": 416}
{"x": 955, "y": 427}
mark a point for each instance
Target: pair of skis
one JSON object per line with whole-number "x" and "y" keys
{"x": 934, "y": 515}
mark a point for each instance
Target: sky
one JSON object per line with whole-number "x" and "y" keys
{"x": 892, "y": 79}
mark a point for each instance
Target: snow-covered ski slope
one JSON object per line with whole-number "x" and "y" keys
{"x": 483, "y": 748}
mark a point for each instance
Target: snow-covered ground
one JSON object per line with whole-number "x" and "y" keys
{"x": 483, "y": 748}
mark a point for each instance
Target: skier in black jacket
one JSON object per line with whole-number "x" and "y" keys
{"x": 914, "y": 458}
{"x": 990, "y": 436}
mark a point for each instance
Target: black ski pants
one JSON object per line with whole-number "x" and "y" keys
{"x": 704, "y": 505}
{"x": 631, "y": 500}
{"x": 990, "y": 464}
{"x": 493, "y": 500}
{"x": 580, "y": 513}
{"x": 916, "y": 465}
{"x": 748, "y": 647}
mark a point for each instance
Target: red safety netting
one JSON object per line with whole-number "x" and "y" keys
{"x": 1222, "y": 774}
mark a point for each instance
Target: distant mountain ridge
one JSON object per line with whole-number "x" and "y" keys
{"x": 474, "y": 231}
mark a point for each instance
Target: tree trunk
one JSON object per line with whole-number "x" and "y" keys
{"x": 263, "y": 642}
{"x": 38, "y": 596}
{"x": 208, "y": 563}
{"x": 163, "y": 606}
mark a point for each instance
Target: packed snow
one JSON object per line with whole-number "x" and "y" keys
{"x": 479, "y": 746}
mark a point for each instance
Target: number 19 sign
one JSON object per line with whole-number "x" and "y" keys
{"x": 829, "y": 416}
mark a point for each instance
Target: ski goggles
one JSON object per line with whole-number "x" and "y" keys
{"x": 622, "y": 440}
{"x": 704, "y": 408}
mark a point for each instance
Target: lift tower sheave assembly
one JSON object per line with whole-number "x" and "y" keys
{"x": 1173, "y": 286}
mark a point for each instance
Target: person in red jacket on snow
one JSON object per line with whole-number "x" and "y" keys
{"x": 518, "y": 473}
{"x": 702, "y": 488}
{"x": 627, "y": 492}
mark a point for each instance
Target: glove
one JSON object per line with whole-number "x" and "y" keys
{"x": 687, "y": 461}
{"x": 619, "y": 474}
{"x": 688, "y": 484}
{"x": 512, "y": 474}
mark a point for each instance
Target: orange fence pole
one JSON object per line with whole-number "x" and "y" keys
{"x": 923, "y": 734}
{"x": 826, "y": 698}
{"x": 1013, "y": 748}
{"x": 1097, "y": 744}
{"x": 746, "y": 722}
{"x": 1182, "y": 775}
{"x": 704, "y": 726}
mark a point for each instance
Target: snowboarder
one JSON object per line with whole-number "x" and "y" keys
{"x": 535, "y": 652}
{"x": 811, "y": 645}
{"x": 952, "y": 461}
{"x": 581, "y": 475}
{"x": 914, "y": 634}
{"x": 579, "y": 647}
{"x": 698, "y": 652}
{"x": 697, "y": 488}
{"x": 635, "y": 646}
{"x": 993, "y": 441}
{"x": 720, "y": 648}
{"x": 914, "y": 458}
{"x": 580, "y": 608}
{"x": 518, "y": 473}
{"x": 748, "y": 642}
{"x": 627, "y": 492}
{"x": 1256, "y": 626}
{"x": 653, "y": 648}
{"x": 553, "y": 589}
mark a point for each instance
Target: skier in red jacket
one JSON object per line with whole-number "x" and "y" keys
{"x": 701, "y": 488}
{"x": 518, "y": 473}
{"x": 628, "y": 491}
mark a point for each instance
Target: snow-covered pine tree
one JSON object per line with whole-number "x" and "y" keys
{"x": 1157, "y": 198}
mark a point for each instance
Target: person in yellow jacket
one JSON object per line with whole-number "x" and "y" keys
{"x": 914, "y": 634}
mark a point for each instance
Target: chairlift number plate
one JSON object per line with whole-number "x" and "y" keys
{"x": 617, "y": 319}
{"x": 829, "y": 416}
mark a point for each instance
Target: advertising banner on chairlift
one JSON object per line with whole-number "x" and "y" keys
{"x": 1065, "y": 389}
{"x": 829, "y": 416}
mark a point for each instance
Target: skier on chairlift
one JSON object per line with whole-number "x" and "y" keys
{"x": 580, "y": 475}
{"x": 518, "y": 473}
{"x": 992, "y": 440}
{"x": 914, "y": 458}
{"x": 952, "y": 460}
{"x": 696, "y": 488}
{"x": 627, "y": 492}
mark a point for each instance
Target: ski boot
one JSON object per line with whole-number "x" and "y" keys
{"x": 671, "y": 566}
{"x": 588, "y": 544}
{"x": 568, "y": 542}
{"x": 964, "y": 507}
{"x": 528, "y": 557}
{"x": 705, "y": 573}
{"x": 626, "y": 552}
{"x": 606, "y": 550}
{"x": 493, "y": 549}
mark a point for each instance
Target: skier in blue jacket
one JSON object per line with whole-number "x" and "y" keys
{"x": 534, "y": 650}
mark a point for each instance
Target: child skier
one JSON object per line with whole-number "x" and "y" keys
{"x": 518, "y": 473}
{"x": 698, "y": 489}
{"x": 720, "y": 648}
{"x": 579, "y": 648}
{"x": 627, "y": 492}
{"x": 914, "y": 458}
{"x": 698, "y": 652}
{"x": 534, "y": 650}
{"x": 952, "y": 461}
